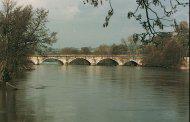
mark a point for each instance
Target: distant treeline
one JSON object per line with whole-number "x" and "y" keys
{"x": 101, "y": 50}
{"x": 127, "y": 46}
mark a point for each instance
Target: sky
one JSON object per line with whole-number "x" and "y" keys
{"x": 80, "y": 25}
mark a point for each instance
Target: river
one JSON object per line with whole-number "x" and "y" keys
{"x": 54, "y": 93}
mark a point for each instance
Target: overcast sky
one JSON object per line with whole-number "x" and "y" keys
{"x": 80, "y": 25}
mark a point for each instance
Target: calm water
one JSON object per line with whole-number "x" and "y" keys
{"x": 54, "y": 93}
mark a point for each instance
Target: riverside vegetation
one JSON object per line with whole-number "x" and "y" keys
{"x": 23, "y": 33}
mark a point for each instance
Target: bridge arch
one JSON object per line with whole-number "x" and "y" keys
{"x": 79, "y": 61}
{"x": 30, "y": 61}
{"x": 53, "y": 59}
{"x": 107, "y": 62}
{"x": 131, "y": 63}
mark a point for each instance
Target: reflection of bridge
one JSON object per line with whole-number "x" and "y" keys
{"x": 91, "y": 59}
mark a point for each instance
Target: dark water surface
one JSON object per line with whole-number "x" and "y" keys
{"x": 54, "y": 93}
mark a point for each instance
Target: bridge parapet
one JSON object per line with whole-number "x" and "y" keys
{"x": 92, "y": 59}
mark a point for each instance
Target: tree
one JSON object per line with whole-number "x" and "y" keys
{"x": 103, "y": 50}
{"x": 69, "y": 50}
{"x": 166, "y": 50}
{"x": 23, "y": 32}
{"x": 133, "y": 46}
{"x": 182, "y": 37}
{"x": 85, "y": 50}
{"x": 119, "y": 49}
{"x": 171, "y": 54}
{"x": 153, "y": 15}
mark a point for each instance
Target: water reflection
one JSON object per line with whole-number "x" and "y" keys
{"x": 53, "y": 93}
{"x": 7, "y": 106}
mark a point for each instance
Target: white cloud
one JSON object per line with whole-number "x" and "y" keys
{"x": 59, "y": 9}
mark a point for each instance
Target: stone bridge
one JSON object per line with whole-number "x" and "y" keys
{"x": 92, "y": 59}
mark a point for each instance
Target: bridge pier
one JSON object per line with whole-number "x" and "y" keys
{"x": 66, "y": 63}
{"x": 120, "y": 64}
{"x": 93, "y": 64}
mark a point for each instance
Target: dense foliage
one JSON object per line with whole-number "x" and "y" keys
{"x": 168, "y": 49}
{"x": 23, "y": 32}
